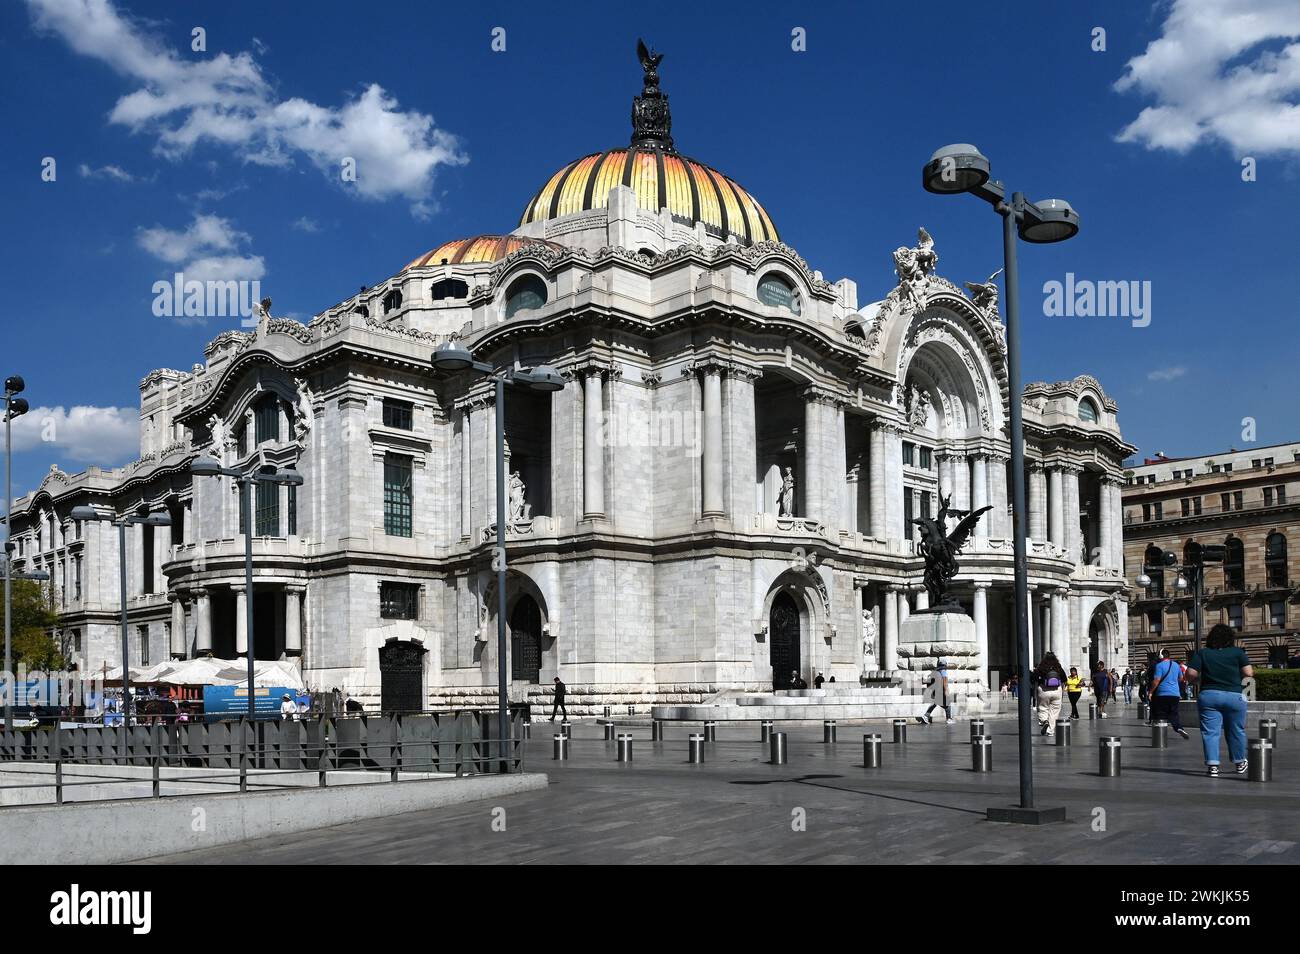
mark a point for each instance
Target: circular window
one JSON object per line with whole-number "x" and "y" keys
{"x": 527, "y": 293}
{"x": 776, "y": 291}
{"x": 1087, "y": 411}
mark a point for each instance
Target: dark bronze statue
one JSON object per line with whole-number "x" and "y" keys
{"x": 940, "y": 549}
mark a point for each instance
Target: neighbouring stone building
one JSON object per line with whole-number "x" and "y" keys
{"x": 720, "y": 495}
{"x": 1248, "y": 500}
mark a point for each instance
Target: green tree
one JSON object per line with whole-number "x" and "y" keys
{"x": 33, "y": 619}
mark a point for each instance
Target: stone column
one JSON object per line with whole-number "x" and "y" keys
{"x": 904, "y": 605}
{"x": 922, "y": 599}
{"x": 980, "y": 497}
{"x": 1000, "y": 497}
{"x": 1117, "y": 523}
{"x": 876, "y": 483}
{"x": 178, "y": 625}
{"x": 813, "y": 490}
{"x": 741, "y": 440}
{"x": 851, "y": 482}
{"x": 1045, "y": 628}
{"x": 1037, "y": 502}
{"x": 593, "y": 445}
{"x": 187, "y": 522}
{"x": 293, "y": 620}
{"x": 1056, "y": 506}
{"x": 202, "y": 622}
{"x": 241, "y": 620}
{"x": 980, "y": 610}
{"x": 466, "y": 456}
{"x": 1034, "y": 649}
{"x": 837, "y": 509}
{"x": 1070, "y": 502}
{"x": 889, "y": 631}
{"x": 1061, "y": 627}
{"x": 1105, "y": 524}
{"x": 947, "y": 477}
{"x": 961, "y": 492}
{"x": 893, "y": 483}
{"x": 712, "y": 497}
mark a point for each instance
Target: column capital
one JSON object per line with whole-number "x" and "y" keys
{"x": 237, "y": 588}
{"x": 1035, "y": 466}
{"x": 199, "y": 592}
{"x": 816, "y": 394}
{"x": 952, "y": 455}
{"x": 299, "y": 588}
{"x": 586, "y": 367}
{"x": 982, "y": 584}
{"x": 887, "y": 426}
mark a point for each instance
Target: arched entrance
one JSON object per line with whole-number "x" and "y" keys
{"x": 526, "y": 640}
{"x": 783, "y": 629}
{"x": 401, "y": 676}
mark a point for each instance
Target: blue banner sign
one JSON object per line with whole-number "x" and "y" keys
{"x": 231, "y": 702}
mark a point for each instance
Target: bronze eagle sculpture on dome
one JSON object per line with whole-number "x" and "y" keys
{"x": 940, "y": 548}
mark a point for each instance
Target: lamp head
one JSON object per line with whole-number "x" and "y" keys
{"x": 1143, "y": 579}
{"x": 1181, "y": 582}
{"x": 17, "y": 407}
{"x": 288, "y": 476}
{"x": 14, "y": 384}
{"x": 86, "y": 513}
{"x": 545, "y": 378}
{"x": 1051, "y": 220}
{"x": 205, "y": 467}
{"x": 159, "y": 519}
{"x": 958, "y": 167}
{"x": 451, "y": 356}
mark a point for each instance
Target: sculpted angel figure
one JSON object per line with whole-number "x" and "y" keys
{"x": 787, "y": 493}
{"x": 518, "y": 508}
{"x": 985, "y": 294}
{"x": 868, "y": 640}
{"x": 217, "y": 430}
{"x": 306, "y": 416}
{"x": 939, "y": 549}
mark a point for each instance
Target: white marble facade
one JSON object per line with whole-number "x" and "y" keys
{"x": 721, "y": 485}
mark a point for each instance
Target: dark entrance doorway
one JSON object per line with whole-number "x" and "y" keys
{"x": 783, "y": 627}
{"x": 401, "y": 672}
{"x": 526, "y": 640}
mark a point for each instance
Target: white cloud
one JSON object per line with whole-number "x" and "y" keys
{"x": 305, "y": 224}
{"x": 85, "y": 434}
{"x": 210, "y": 248}
{"x": 105, "y": 172}
{"x": 1223, "y": 71}
{"x": 1166, "y": 374}
{"x": 226, "y": 101}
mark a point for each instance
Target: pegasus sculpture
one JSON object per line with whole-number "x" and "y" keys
{"x": 940, "y": 548}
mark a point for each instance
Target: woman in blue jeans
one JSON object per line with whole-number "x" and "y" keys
{"x": 1220, "y": 667}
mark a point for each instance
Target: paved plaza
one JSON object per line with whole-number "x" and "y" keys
{"x": 924, "y": 805}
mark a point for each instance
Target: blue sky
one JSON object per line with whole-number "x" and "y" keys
{"x": 223, "y": 160}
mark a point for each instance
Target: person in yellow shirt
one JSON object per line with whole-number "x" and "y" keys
{"x": 1074, "y": 689}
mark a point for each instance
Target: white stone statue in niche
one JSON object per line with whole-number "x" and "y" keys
{"x": 519, "y": 509}
{"x": 868, "y": 641}
{"x": 786, "y": 502}
{"x": 305, "y": 416}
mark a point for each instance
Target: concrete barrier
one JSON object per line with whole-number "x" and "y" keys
{"x": 109, "y": 832}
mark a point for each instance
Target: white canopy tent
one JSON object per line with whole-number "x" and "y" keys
{"x": 213, "y": 672}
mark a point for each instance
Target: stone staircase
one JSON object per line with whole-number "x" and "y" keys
{"x": 880, "y": 699}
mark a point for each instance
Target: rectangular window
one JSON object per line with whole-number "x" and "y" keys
{"x": 268, "y": 509}
{"x": 908, "y": 451}
{"x": 266, "y": 420}
{"x": 399, "y": 600}
{"x": 143, "y": 632}
{"x": 1277, "y": 614}
{"x": 1236, "y": 500}
{"x": 76, "y": 582}
{"x": 1196, "y": 506}
{"x": 399, "y": 414}
{"x": 925, "y": 458}
{"x": 1225, "y": 502}
{"x": 925, "y": 503}
{"x": 1146, "y": 512}
{"x": 1234, "y": 616}
{"x": 1256, "y": 463}
{"x": 907, "y": 513}
{"x": 1154, "y": 625}
{"x": 1268, "y": 496}
{"x": 1227, "y": 468}
{"x": 1159, "y": 510}
{"x": 242, "y": 447}
{"x": 146, "y": 559}
{"x": 397, "y": 496}
{"x": 1280, "y": 490}
{"x": 1268, "y": 462}
{"x": 1187, "y": 506}
{"x": 242, "y": 495}
{"x": 293, "y": 511}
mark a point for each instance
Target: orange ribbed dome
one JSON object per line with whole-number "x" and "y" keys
{"x": 691, "y": 191}
{"x": 479, "y": 248}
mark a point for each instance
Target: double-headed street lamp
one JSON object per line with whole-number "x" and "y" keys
{"x": 265, "y": 474}
{"x": 148, "y": 520}
{"x": 962, "y": 168}
{"x": 451, "y": 358}
{"x": 1191, "y": 576}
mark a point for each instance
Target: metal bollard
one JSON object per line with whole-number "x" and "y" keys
{"x": 624, "y": 748}
{"x": 710, "y": 732}
{"x": 976, "y": 728}
{"x": 566, "y": 729}
{"x": 1160, "y": 735}
{"x": 527, "y": 730}
{"x": 871, "y": 750}
{"x": 1063, "y": 730}
{"x": 1108, "y": 756}
{"x": 828, "y": 731}
{"x": 1259, "y": 760}
{"x": 1268, "y": 730}
{"x": 1144, "y": 712}
{"x": 777, "y": 745}
{"x": 561, "y": 747}
{"x": 900, "y": 731}
{"x": 765, "y": 731}
{"x": 696, "y": 742}
{"x": 981, "y": 754}
{"x": 609, "y": 731}
{"x": 607, "y": 711}
{"x": 1092, "y": 710}
{"x": 657, "y": 730}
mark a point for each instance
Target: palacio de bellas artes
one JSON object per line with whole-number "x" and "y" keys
{"x": 723, "y": 496}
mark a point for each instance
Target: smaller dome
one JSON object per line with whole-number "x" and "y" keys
{"x": 479, "y": 248}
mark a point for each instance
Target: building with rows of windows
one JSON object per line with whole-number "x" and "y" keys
{"x": 1248, "y": 500}
{"x": 721, "y": 494}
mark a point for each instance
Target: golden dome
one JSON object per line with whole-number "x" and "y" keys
{"x": 479, "y": 248}
{"x": 691, "y": 191}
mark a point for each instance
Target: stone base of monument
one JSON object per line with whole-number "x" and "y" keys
{"x": 884, "y": 698}
{"x": 947, "y": 634}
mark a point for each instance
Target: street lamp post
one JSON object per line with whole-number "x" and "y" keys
{"x": 452, "y": 357}
{"x": 149, "y": 520}
{"x": 1191, "y": 576}
{"x": 266, "y": 474}
{"x": 962, "y": 168}
{"x": 14, "y": 407}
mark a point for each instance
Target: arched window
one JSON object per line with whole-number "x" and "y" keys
{"x": 774, "y": 290}
{"x": 393, "y": 300}
{"x": 526, "y": 294}
{"x": 1275, "y": 560}
{"x": 1234, "y": 565}
{"x": 1154, "y": 560}
{"x": 449, "y": 288}
{"x": 361, "y": 310}
{"x": 1088, "y": 411}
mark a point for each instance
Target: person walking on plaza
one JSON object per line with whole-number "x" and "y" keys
{"x": 1219, "y": 669}
{"x": 559, "y": 701}
{"x": 1126, "y": 683}
{"x": 938, "y": 690}
{"x": 1049, "y": 677}
{"x": 1114, "y": 684}
{"x": 1074, "y": 689}
{"x": 1101, "y": 688}
{"x": 1015, "y": 686}
{"x": 1166, "y": 692}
